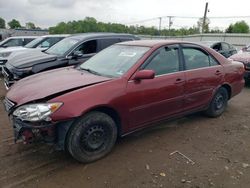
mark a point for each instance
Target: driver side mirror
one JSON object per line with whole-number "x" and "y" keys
{"x": 76, "y": 54}
{"x": 144, "y": 74}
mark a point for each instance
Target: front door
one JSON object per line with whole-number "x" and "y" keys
{"x": 153, "y": 99}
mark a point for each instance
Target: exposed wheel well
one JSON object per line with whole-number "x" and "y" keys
{"x": 229, "y": 90}
{"x": 113, "y": 114}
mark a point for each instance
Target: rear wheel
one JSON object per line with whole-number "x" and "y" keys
{"x": 92, "y": 137}
{"x": 218, "y": 103}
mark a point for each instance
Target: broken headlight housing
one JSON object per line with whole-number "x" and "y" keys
{"x": 36, "y": 112}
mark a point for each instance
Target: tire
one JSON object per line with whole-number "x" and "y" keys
{"x": 92, "y": 137}
{"x": 218, "y": 104}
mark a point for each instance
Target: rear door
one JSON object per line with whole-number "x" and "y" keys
{"x": 203, "y": 74}
{"x": 153, "y": 99}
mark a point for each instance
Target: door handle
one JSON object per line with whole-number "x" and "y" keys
{"x": 218, "y": 72}
{"x": 179, "y": 80}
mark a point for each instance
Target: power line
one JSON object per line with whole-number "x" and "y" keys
{"x": 187, "y": 17}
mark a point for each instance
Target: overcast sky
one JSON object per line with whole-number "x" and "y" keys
{"x": 46, "y": 13}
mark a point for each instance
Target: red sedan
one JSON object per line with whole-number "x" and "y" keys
{"x": 125, "y": 87}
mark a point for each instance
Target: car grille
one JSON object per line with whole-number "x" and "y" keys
{"x": 8, "y": 104}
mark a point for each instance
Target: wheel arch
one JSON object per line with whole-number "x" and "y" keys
{"x": 109, "y": 111}
{"x": 229, "y": 89}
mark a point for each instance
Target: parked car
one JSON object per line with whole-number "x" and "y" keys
{"x": 245, "y": 49}
{"x": 223, "y": 48}
{"x": 40, "y": 43}
{"x": 125, "y": 87}
{"x": 245, "y": 59}
{"x": 16, "y": 41}
{"x": 69, "y": 51}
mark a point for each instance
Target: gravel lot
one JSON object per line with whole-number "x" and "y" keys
{"x": 219, "y": 148}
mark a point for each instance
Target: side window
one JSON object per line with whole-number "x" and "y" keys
{"x": 225, "y": 46}
{"x": 88, "y": 47}
{"x": 217, "y": 47}
{"x": 165, "y": 61}
{"x": 26, "y": 41}
{"x": 104, "y": 43}
{"x": 213, "y": 62}
{"x": 195, "y": 58}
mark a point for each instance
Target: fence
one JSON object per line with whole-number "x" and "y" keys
{"x": 238, "y": 40}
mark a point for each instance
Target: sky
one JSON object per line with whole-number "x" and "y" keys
{"x": 46, "y": 13}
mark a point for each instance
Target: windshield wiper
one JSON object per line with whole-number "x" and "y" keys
{"x": 91, "y": 71}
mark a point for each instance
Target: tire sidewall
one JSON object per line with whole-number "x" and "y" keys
{"x": 212, "y": 111}
{"x": 74, "y": 146}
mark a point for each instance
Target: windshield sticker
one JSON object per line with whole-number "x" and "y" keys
{"x": 127, "y": 54}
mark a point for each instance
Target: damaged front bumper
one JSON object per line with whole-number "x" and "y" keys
{"x": 46, "y": 132}
{"x": 31, "y": 133}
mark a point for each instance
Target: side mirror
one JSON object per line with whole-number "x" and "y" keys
{"x": 144, "y": 74}
{"x": 76, "y": 54}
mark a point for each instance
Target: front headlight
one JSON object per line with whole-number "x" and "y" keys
{"x": 5, "y": 54}
{"x": 36, "y": 112}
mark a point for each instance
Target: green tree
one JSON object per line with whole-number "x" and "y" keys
{"x": 30, "y": 25}
{"x": 13, "y": 24}
{"x": 238, "y": 27}
{"x": 2, "y": 23}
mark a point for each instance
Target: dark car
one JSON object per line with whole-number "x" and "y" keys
{"x": 16, "y": 41}
{"x": 125, "y": 87}
{"x": 223, "y": 48}
{"x": 40, "y": 43}
{"x": 245, "y": 59}
{"x": 69, "y": 51}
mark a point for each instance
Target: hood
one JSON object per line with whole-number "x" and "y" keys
{"x": 49, "y": 83}
{"x": 29, "y": 58}
{"x": 243, "y": 57}
{"x": 12, "y": 49}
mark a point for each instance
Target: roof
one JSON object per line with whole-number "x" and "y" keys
{"x": 151, "y": 43}
{"x": 39, "y": 30}
{"x": 56, "y": 35}
{"x": 208, "y": 43}
{"x": 22, "y": 37}
{"x": 96, "y": 35}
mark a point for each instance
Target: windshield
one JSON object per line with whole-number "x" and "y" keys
{"x": 115, "y": 60}
{"x": 12, "y": 42}
{"x": 34, "y": 43}
{"x": 62, "y": 46}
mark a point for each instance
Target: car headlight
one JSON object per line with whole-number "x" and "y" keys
{"x": 5, "y": 54}
{"x": 36, "y": 112}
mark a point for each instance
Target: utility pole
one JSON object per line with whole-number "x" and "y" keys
{"x": 204, "y": 18}
{"x": 160, "y": 25}
{"x": 169, "y": 24}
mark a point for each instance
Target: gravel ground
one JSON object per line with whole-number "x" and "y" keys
{"x": 216, "y": 154}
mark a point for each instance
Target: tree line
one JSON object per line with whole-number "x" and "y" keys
{"x": 90, "y": 24}
{"x": 15, "y": 24}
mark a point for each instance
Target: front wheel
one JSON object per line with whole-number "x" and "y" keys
{"x": 92, "y": 137}
{"x": 218, "y": 103}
